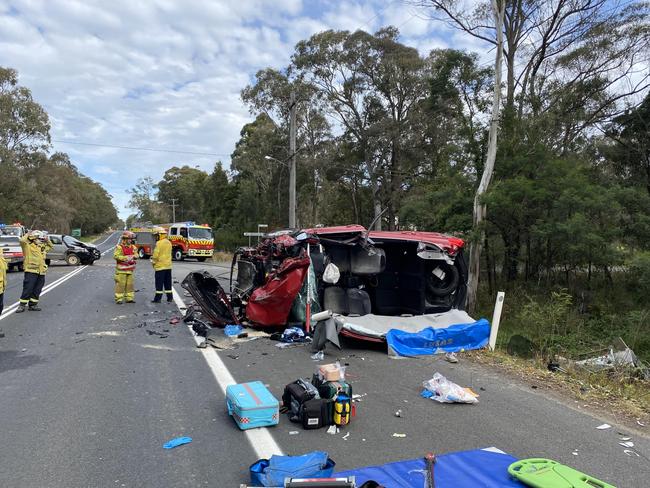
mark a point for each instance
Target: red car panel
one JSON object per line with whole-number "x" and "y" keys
{"x": 447, "y": 243}
{"x": 271, "y": 303}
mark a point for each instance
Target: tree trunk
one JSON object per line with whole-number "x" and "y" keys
{"x": 512, "y": 247}
{"x": 479, "y": 208}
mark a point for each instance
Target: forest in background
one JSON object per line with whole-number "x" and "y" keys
{"x": 39, "y": 189}
{"x": 382, "y": 128}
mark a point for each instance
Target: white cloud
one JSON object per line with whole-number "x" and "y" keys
{"x": 166, "y": 74}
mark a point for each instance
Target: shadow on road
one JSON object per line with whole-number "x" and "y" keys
{"x": 10, "y": 360}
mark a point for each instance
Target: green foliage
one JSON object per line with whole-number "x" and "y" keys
{"x": 41, "y": 190}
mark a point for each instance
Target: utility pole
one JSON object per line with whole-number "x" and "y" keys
{"x": 292, "y": 166}
{"x": 173, "y": 206}
{"x": 498, "y": 12}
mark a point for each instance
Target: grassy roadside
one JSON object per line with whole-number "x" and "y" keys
{"x": 624, "y": 400}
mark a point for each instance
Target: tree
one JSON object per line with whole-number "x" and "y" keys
{"x": 374, "y": 86}
{"x": 24, "y": 124}
{"x": 627, "y": 145}
{"x": 183, "y": 186}
{"x": 143, "y": 201}
{"x": 479, "y": 212}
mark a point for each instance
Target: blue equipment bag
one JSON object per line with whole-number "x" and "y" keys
{"x": 252, "y": 405}
{"x": 435, "y": 341}
{"x": 272, "y": 472}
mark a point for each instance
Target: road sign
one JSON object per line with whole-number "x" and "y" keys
{"x": 75, "y": 232}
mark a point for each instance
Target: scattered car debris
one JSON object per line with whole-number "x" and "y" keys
{"x": 333, "y": 429}
{"x": 626, "y": 444}
{"x": 617, "y": 357}
{"x": 345, "y": 437}
{"x": 156, "y": 333}
{"x": 604, "y": 426}
{"x": 399, "y": 435}
{"x": 398, "y": 413}
{"x": 294, "y": 432}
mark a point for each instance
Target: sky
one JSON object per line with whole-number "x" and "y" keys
{"x": 167, "y": 74}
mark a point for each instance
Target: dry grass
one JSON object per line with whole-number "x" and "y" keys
{"x": 222, "y": 257}
{"x": 624, "y": 399}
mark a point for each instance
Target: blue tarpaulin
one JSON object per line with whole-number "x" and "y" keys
{"x": 474, "y": 335}
{"x": 465, "y": 469}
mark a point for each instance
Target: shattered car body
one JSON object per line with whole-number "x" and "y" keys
{"x": 403, "y": 279}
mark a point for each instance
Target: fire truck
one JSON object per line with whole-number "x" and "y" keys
{"x": 190, "y": 240}
{"x": 144, "y": 241}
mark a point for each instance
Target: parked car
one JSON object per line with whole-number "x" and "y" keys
{"x": 12, "y": 251}
{"x": 72, "y": 251}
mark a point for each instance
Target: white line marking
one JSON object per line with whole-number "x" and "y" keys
{"x": 261, "y": 439}
{"x": 108, "y": 250}
{"x": 12, "y": 308}
{"x": 106, "y": 239}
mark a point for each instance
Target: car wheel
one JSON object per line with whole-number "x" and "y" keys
{"x": 72, "y": 259}
{"x": 443, "y": 286}
{"x": 141, "y": 253}
{"x": 201, "y": 259}
{"x": 177, "y": 254}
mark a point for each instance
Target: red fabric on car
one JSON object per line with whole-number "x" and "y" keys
{"x": 271, "y": 303}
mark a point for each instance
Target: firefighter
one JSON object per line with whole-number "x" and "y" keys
{"x": 35, "y": 245}
{"x": 3, "y": 280}
{"x": 161, "y": 260}
{"x": 125, "y": 255}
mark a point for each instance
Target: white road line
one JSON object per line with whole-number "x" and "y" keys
{"x": 106, "y": 239}
{"x": 12, "y": 308}
{"x": 108, "y": 250}
{"x": 261, "y": 439}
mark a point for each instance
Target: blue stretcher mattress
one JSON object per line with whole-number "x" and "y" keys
{"x": 485, "y": 468}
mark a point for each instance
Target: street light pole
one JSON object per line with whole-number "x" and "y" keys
{"x": 292, "y": 167}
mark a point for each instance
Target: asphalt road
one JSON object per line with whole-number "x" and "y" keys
{"x": 90, "y": 391}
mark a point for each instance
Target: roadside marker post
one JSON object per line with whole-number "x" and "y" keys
{"x": 496, "y": 319}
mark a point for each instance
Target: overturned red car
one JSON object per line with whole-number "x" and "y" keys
{"x": 372, "y": 281}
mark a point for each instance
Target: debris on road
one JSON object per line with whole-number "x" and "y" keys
{"x": 178, "y": 441}
{"x": 233, "y": 330}
{"x": 345, "y": 437}
{"x": 399, "y": 435}
{"x": 604, "y": 426}
{"x": 442, "y": 390}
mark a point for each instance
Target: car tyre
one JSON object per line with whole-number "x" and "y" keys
{"x": 72, "y": 259}
{"x": 442, "y": 288}
{"x": 177, "y": 254}
{"x": 141, "y": 253}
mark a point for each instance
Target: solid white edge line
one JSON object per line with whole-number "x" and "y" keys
{"x": 260, "y": 439}
{"x": 12, "y": 308}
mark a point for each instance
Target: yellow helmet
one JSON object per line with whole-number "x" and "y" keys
{"x": 159, "y": 232}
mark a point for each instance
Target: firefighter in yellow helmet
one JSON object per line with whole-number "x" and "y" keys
{"x": 35, "y": 245}
{"x": 161, "y": 260}
{"x": 125, "y": 255}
